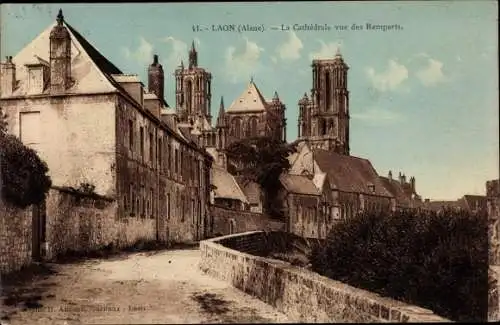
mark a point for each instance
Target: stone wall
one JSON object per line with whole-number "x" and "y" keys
{"x": 15, "y": 238}
{"x": 304, "y": 296}
{"x": 77, "y": 222}
{"x": 226, "y": 221}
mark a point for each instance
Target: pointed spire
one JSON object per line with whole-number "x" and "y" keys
{"x": 193, "y": 56}
{"x": 221, "y": 119}
{"x": 251, "y": 79}
{"x": 60, "y": 18}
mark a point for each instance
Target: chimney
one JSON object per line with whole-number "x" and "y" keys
{"x": 403, "y": 179}
{"x": 8, "y": 77}
{"x": 156, "y": 79}
{"x": 60, "y": 57}
{"x": 412, "y": 183}
{"x": 390, "y": 175}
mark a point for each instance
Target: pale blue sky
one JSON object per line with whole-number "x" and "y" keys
{"x": 423, "y": 100}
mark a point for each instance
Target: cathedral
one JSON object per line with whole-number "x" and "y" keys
{"x": 324, "y": 115}
{"x": 250, "y": 115}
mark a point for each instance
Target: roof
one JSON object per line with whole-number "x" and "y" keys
{"x": 473, "y": 202}
{"x": 439, "y": 205}
{"x": 89, "y": 68}
{"x": 251, "y": 100}
{"x": 251, "y": 190}
{"x": 225, "y": 185}
{"x": 298, "y": 184}
{"x": 395, "y": 188}
{"x": 349, "y": 173}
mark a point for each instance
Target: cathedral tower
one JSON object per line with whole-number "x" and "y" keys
{"x": 324, "y": 118}
{"x": 60, "y": 56}
{"x": 193, "y": 90}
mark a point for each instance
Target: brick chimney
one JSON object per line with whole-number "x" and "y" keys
{"x": 8, "y": 77}
{"x": 156, "y": 79}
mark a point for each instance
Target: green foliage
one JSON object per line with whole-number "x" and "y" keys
{"x": 261, "y": 160}
{"x": 3, "y": 121}
{"x": 439, "y": 262}
{"x": 24, "y": 179}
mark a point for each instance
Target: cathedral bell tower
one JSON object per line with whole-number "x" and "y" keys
{"x": 324, "y": 118}
{"x": 193, "y": 90}
{"x": 60, "y": 57}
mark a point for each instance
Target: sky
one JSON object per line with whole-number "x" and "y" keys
{"x": 423, "y": 98}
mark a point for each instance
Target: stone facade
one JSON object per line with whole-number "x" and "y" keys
{"x": 493, "y": 207}
{"x": 15, "y": 238}
{"x": 324, "y": 116}
{"x": 230, "y": 221}
{"x": 93, "y": 124}
{"x": 302, "y": 295}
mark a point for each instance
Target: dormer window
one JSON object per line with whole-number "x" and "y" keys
{"x": 38, "y": 76}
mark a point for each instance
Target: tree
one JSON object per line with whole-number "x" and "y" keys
{"x": 3, "y": 121}
{"x": 261, "y": 160}
{"x": 24, "y": 180}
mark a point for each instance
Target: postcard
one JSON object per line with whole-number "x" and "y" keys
{"x": 257, "y": 162}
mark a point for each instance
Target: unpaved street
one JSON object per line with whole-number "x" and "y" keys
{"x": 140, "y": 288}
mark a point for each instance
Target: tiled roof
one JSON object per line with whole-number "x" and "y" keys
{"x": 251, "y": 190}
{"x": 395, "y": 188}
{"x": 298, "y": 184}
{"x": 250, "y": 100}
{"x": 225, "y": 185}
{"x": 439, "y": 205}
{"x": 473, "y": 202}
{"x": 349, "y": 173}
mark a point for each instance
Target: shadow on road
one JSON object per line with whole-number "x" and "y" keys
{"x": 17, "y": 289}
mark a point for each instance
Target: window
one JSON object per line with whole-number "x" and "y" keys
{"x": 131, "y": 134}
{"x": 143, "y": 195}
{"x": 169, "y": 156}
{"x": 176, "y": 160}
{"x": 168, "y": 206}
{"x": 328, "y": 91}
{"x": 141, "y": 139}
{"x": 182, "y": 208}
{"x": 30, "y": 128}
{"x": 151, "y": 144}
{"x": 159, "y": 154}
{"x": 153, "y": 205}
{"x": 193, "y": 212}
{"x": 253, "y": 126}
{"x": 132, "y": 199}
{"x": 237, "y": 127}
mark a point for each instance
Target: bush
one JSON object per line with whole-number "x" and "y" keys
{"x": 24, "y": 179}
{"x": 439, "y": 262}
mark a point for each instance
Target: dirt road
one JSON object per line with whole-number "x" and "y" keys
{"x": 141, "y": 288}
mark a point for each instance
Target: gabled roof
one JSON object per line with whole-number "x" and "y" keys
{"x": 349, "y": 173}
{"x": 251, "y": 190}
{"x": 395, "y": 188}
{"x": 298, "y": 184}
{"x": 251, "y": 100}
{"x": 88, "y": 67}
{"x": 473, "y": 202}
{"x": 226, "y": 186}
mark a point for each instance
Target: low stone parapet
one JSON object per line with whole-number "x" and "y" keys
{"x": 304, "y": 296}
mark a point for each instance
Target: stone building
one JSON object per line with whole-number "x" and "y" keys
{"x": 324, "y": 114}
{"x": 493, "y": 206}
{"x": 403, "y": 191}
{"x": 94, "y": 124}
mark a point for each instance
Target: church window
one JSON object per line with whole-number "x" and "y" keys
{"x": 328, "y": 91}
{"x": 237, "y": 127}
{"x": 322, "y": 127}
{"x": 253, "y": 127}
{"x": 189, "y": 96}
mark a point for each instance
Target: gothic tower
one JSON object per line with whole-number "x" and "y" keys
{"x": 324, "y": 118}
{"x": 60, "y": 57}
{"x": 193, "y": 90}
{"x": 222, "y": 129}
{"x": 156, "y": 79}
